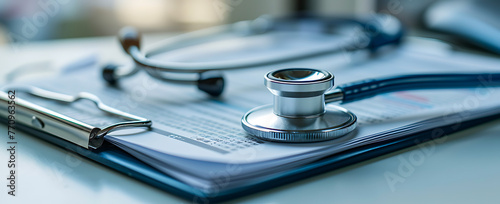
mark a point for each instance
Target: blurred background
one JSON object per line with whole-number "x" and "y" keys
{"x": 475, "y": 22}
{"x": 33, "y": 20}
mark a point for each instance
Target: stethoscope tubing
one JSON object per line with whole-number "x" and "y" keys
{"x": 371, "y": 87}
{"x": 379, "y": 31}
{"x": 199, "y": 67}
{"x": 130, "y": 40}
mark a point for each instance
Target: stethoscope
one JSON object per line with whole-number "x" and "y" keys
{"x": 299, "y": 112}
{"x": 380, "y": 30}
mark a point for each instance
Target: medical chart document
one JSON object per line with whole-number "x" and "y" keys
{"x": 199, "y": 140}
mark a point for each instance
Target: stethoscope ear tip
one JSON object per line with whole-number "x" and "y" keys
{"x": 108, "y": 74}
{"x": 211, "y": 82}
{"x": 129, "y": 37}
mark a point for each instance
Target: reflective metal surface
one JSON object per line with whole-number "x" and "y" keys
{"x": 298, "y": 92}
{"x": 263, "y": 123}
{"x": 62, "y": 126}
{"x": 54, "y": 123}
{"x": 299, "y": 113}
{"x": 298, "y": 75}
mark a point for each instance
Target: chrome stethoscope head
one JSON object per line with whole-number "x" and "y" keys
{"x": 299, "y": 113}
{"x": 377, "y": 31}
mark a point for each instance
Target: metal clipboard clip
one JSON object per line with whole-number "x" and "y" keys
{"x": 64, "y": 127}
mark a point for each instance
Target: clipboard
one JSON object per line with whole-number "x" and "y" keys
{"x": 112, "y": 157}
{"x": 62, "y": 126}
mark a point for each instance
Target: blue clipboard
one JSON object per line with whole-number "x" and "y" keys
{"x": 120, "y": 161}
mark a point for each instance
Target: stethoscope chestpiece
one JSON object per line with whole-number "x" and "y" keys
{"x": 299, "y": 113}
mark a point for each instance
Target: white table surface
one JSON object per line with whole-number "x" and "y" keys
{"x": 463, "y": 169}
